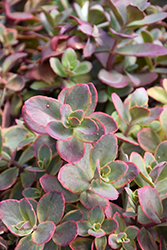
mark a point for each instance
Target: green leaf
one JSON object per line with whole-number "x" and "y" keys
{"x": 65, "y": 233}
{"x": 33, "y": 193}
{"x": 96, "y": 215}
{"x": 101, "y": 243}
{"x": 81, "y": 243}
{"x": 44, "y": 155}
{"x": 51, "y": 207}
{"x": 75, "y": 215}
{"x": 150, "y": 203}
{"x": 57, "y": 67}
{"x": 163, "y": 120}
{"x": 109, "y": 226}
{"x": 83, "y": 227}
{"x": 142, "y": 50}
{"x": 148, "y": 139}
{"x": 134, "y": 13}
{"x": 27, "y": 178}
{"x": 161, "y": 152}
{"x": 43, "y": 233}
{"x": 138, "y": 113}
{"x": 158, "y": 93}
{"x": 145, "y": 239}
{"x": 28, "y": 212}
{"x": 26, "y": 243}
{"x": 105, "y": 150}
{"x": 153, "y": 18}
{"x": 73, "y": 178}
{"x": 104, "y": 190}
{"x": 112, "y": 241}
{"x": 119, "y": 106}
{"x": 117, "y": 170}
{"x": 8, "y": 177}
{"x": 139, "y": 98}
{"x": 83, "y": 68}
{"x": 88, "y": 127}
{"x": 68, "y": 57}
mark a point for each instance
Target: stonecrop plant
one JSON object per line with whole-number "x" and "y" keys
{"x": 83, "y": 125}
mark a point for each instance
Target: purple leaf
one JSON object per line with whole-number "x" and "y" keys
{"x": 96, "y": 233}
{"x": 50, "y": 183}
{"x": 118, "y": 35}
{"x": 155, "y": 113}
{"x": 150, "y": 202}
{"x": 112, "y": 78}
{"x": 71, "y": 150}
{"x": 104, "y": 190}
{"x": 73, "y": 178}
{"x": 51, "y": 207}
{"x": 89, "y": 199}
{"x": 15, "y": 83}
{"x": 128, "y": 139}
{"x": 142, "y": 50}
{"x": 148, "y": 139}
{"x": 43, "y": 233}
{"x": 78, "y": 97}
{"x": 28, "y": 244}
{"x": 89, "y": 47}
{"x": 65, "y": 233}
{"x": 57, "y": 131}
{"x": 108, "y": 121}
{"x": 142, "y": 79}
{"x": 75, "y": 42}
{"x": 116, "y": 12}
{"x": 11, "y": 60}
{"x": 105, "y": 150}
{"x": 146, "y": 240}
{"x": 119, "y": 106}
{"x": 94, "y": 98}
{"x": 8, "y": 177}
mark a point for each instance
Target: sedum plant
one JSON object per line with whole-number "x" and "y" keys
{"x": 83, "y": 132}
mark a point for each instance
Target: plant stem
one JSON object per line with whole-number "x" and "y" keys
{"x": 16, "y": 164}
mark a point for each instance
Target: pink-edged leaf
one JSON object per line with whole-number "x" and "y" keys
{"x": 112, "y": 78}
{"x": 150, "y": 202}
{"x": 138, "y": 114}
{"x": 73, "y": 178}
{"x": 71, "y": 150}
{"x": 75, "y": 42}
{"x": 131, "y": 245}
{"x": 130, "y": 175}
{"x": 89, "y": 199}
{"x": 148, "y": 139}
{"x": 27, "y": 178}
{"x": 94, "y": 99}
{"x": 112, "y": 241}
{"x": 28, "y": 244}
{"x": 88, "y": 126}
{"x": 3, "y": 243}
{"x": 96, "y": 215}
{"x": 93, "y": 137}
{"x": 158, "y": 173}
{"x": 96, "y": 233}
{"x": 152, "y": 18}
{"x": 78, "y": 97}
{"x": 31, "y": 124}
{"x": 104, "y": 190}
{"x": 8, "y": 177}
{"x": 121, "y": 36}
{"x": 15, "y": 83}
{"x": 139, "y": 98}
{"x": 86, "y": 28}
{"x": 79, "y": 242}
{"x": 161, "y": 152}
{"x": 51, "y": 207}
{"x": 162, "y": 243}
{"x": 119, "y": 106}
{"x": 83, "y": 227}
{"x": 117, "y": 170}
{"x": 11, "y": 60}
{"x": 10, "y": 212}
{"x": 31, "y": 192}
{"x": 27, "y": 212}
{"x": 128, "y": 139}
{"x": 142, "y": 50}
{"x": 57, "y": 131}
{"x": 89, "y": 47}
{"x": 101, "y": 243}
{"x": 116, "y": 12}
{"x": 42, "y": 109}
{"x": 158, "y": 93}
{"x": 65, "y": 111}
{"x": 108, "y": 121}
{"x": 142, "y": 79}
{"x": 43, "y": 233}
{"x": 155, "y": 113}
{"x": 146, "y": 240}
{"x": 50, "y": 183}
{"x": 105, "y": 150}
{"x": 65, "y": 233}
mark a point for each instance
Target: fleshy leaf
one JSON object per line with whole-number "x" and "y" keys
{"x": 139, "y": 98}
{"x": 108, "y": 121}
{"x": 161, "y": 152}
{"x": 150, "y": 203}
{"x": 81, "y": 243}
{"x": 88, "y": 127}
{"x": 138, "y": 113}
{"x": 158, "y": 93}
{"x": 112, "y": 241}
{"x": 8, "y": 178}
{"x": 105, "y": 150}
{"x": 28, "y": 244}
{"x": 148, "y": 139}
{"x": 65, "y": 233}
{"x": 145, "y": 239}
{"x": 104, "y": 190}
{"x": 142, "y": 50}
{"x": 123, "y": 113}
{"x": 27, "y": 212}
{"x": 83, "y": 227}
{"x": 96, "y": 233}
{"x": 57, "y": 67}
{"x": 96, "y": 215}
{"x": 163, "y": 120}
{"x": 94, "y": 98}
{"x": 44, "y": 156}
{"x": 101, "y": 243}
{"x": 83, "y": 68}
{"x": 117, "y": 170}
{"x": 112, "y": 78}
{"x": 15, "y": 83}
{"x": 11, "y": 60}
{"x": 50, "y": 183}
{"x": 43, "y": 233}
{"x": 57, "y": 131}
{"x": 78, "y": 97}
{"x": 51, "y": 207}
{"x": 73, "y": 178}
{"x": 109, "y": 225}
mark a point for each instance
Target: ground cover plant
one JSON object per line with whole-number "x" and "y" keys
{"x": 83, "y": 127}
